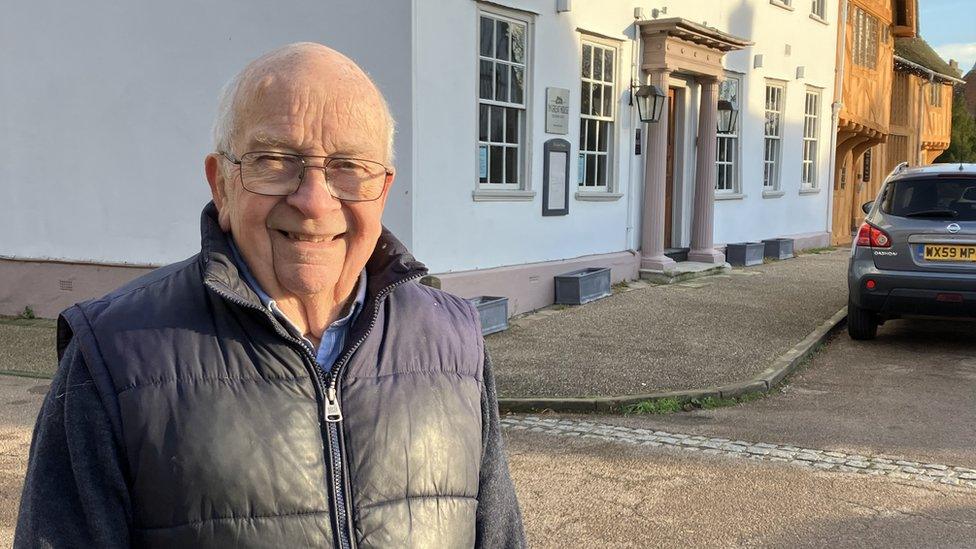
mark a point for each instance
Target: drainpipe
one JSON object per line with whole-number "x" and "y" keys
{"x": 634, "y": 125}
{"x": 835, "y": 108}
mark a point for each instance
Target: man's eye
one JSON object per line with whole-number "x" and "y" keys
{"x": 346, "y": 165}
{"x": 270, "y": 159}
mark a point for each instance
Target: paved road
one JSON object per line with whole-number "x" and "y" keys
{"x": 907, "y": 397}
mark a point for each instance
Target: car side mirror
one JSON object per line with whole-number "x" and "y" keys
{"x": 866, "y": 207}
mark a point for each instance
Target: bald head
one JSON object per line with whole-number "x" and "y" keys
{"x": 314, "y": 68}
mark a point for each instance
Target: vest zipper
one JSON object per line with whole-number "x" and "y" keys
{"x": 333, "y": 410}
{"x": 334, "y": 415}
{"x": 339, "y": 514}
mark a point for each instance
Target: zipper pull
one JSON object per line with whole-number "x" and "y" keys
{"x": 333, "y": 413}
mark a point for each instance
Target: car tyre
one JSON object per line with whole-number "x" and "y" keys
{"x": 861, "y": 323}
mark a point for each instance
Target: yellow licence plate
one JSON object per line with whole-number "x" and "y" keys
{"x": 949, "y": 253}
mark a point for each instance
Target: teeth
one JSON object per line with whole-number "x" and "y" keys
{"x": 305, "y": 237}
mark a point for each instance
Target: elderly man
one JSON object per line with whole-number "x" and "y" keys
{"x": 291, "y": 385}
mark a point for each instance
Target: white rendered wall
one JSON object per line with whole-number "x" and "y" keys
{"x": 455, "y": 233}
{"x": 452, "y": 231}
{"x": 106, "y": 108}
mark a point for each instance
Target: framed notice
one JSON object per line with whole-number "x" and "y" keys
{"x": 557, "y": 111}
{"x": 555, "y": 178}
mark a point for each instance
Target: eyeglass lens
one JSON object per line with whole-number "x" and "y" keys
{"x": 281, "y": 174}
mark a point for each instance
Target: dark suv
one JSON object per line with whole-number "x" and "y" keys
{"x": 915, "y": 253}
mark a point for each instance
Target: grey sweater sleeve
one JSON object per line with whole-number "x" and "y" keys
{"x": 499, "y": 521}
{"x": 75, "y": 493}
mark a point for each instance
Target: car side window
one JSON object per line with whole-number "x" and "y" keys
{"x": 885, "y": 199}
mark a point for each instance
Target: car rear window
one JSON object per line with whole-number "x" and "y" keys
{"x": 934, "y": 198}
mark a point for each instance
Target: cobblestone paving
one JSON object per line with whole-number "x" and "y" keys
{"x": 879, "y": 465}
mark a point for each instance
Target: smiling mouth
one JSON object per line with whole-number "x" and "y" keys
{"x": 302, "y": 237}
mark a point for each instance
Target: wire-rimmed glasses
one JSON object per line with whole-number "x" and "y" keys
{"x": 272, "y": 173}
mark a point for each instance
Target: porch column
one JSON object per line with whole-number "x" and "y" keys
{"x": 655, "y": 175}
{"x": 703, "y": 225}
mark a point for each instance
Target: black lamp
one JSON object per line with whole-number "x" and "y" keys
{"x": 650, "y": 102}
{"x": 727, "y": 116}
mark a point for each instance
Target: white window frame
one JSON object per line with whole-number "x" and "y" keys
{"x": 773, "y": 142}
{"x": 818, "y": 8}
{"x": 732, "y": 143}
{"x": 605, "y": 123}
{"x": 521, "y": 190}
{"x": 812, "y": 109}
{"x": 867, "y": 39}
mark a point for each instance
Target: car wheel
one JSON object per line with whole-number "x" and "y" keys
{"x": 861, "y": 323}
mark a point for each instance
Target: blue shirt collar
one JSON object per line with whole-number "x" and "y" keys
{"x": 270, "y": 303}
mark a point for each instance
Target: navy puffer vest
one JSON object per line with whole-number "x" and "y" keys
{"x": 232, "y": 439}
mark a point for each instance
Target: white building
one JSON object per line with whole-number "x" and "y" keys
{"x": 106, "y": 111}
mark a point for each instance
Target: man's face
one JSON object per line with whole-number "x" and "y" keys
{"x": 308, "y": 242}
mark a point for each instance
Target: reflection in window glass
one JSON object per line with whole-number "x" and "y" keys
{"x": 597, "y": 101}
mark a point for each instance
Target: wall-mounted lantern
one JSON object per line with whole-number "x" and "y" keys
{"x": 650, "y": 102}
{"x": 727, "y": 116}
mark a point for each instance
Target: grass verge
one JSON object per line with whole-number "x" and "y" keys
{"x": 671, "y": 405}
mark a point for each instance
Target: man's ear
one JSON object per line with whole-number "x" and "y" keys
{"x": 387, "y": 184}
{"x": 218, "y": 189}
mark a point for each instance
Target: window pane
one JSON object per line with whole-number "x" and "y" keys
{"x": 601, "y": 170}
{"x": 483, "y": 122}
{"x": 511, "y": 164}
{"x": 501, "y": 82}
{"x": 585, "y": 98}
{"x": 501, "y": 41}
{"x": 607, "y": 101}
{"x": 590, "y": 170}
{"x": 604, "y": 135}
{"x": 597, "y": 103}
{"x": 608, "y": 65}
{"x": 597, "y": 64}
{"x": 583, "y": 144}
{"x": 518, "y": 84}
{"x": 587, "y": 60}
{"x": 496, "y": 164}
{"x": 511, "y": 125}
{"x": 486, "y": 80}
{"x": 518, "y": 43}
{"x": 487, "y": 28}
{"x": 591, "y": 130}
{"x": 483, "y": 176}
{"x": 497, "y": 120}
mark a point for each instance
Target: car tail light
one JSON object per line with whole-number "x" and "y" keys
{"x": 870, "y": 284}
{"x": 869, "y": 235}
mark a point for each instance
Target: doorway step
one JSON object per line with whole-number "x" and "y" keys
{"x": 677, "y": 254}
{"x": 682, "y": 271}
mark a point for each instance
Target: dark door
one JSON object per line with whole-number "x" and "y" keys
{"x": 669, "y": 173}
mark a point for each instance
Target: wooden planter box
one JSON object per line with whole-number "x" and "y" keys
{"x": 493, "y": 312}
{"x": 778, "y": 248}
{"x": 582, "y": 286}
{"x": 745, "y": 254}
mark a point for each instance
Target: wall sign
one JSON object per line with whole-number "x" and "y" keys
{"x": 555, "y": 177}
{"x": 557, "y": 111}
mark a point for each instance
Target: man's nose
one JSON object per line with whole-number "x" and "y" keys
{"x": 313, "y": 197}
